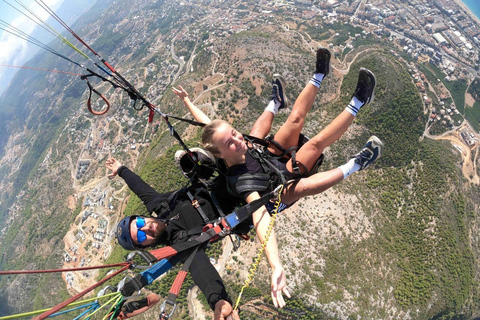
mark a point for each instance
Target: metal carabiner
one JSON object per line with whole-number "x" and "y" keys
{"x": 163, "y": 315}
{"x": 142, "y": 255}
{"x": 103, "y": 291}
{"x": 122, "y": 283}
{"x": 235, "y": 238}
{"x": 278, "y": 190}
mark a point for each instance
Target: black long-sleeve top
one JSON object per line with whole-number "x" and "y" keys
{"x": 183, "y": 217}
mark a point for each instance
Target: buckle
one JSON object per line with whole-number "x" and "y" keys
{"x": 121, "y": 284}
{"x": 195, "y": 203}
{"x": 145, "y": 257}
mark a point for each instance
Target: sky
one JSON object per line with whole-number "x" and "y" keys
{"x": 13, "y": 50}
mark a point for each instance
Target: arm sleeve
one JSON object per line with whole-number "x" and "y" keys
{"x": 149, "y": 196}
{"x": 207, "y": 279}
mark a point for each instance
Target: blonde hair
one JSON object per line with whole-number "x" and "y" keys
{"x": 207, "y": 135}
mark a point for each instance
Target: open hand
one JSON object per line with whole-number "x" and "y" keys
{"x": 279, "y": 285}
{"x": 180, "y": 92}
{"x": 113, "y": 165}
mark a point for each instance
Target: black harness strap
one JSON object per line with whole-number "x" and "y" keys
{"x": 197, "y": 206}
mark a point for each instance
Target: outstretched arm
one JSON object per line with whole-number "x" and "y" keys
{"x": 149, "y": 196}
{"x": 198, "y": 114}
{"x": 261, "y": 221}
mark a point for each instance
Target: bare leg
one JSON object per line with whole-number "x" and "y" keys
{"x": 321, "y": 181}
{"x": 287, "y": 135}
{"x": 314, "y": 184}
{"x": 311, "y": 151}
{"x": 263, "y": 125}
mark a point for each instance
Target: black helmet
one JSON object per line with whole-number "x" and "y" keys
{"x": 204, "y": 168}
{"x": 123, "y": 234}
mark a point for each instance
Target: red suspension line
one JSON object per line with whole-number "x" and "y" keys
{"x": 57, "y": 71}
{"x": 78, "y": 295}
{"x": 124, "y": 264}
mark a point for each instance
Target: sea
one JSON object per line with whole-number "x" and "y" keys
{"x": 474, "y": 6}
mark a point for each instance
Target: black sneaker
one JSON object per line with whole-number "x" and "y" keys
{"x": 365, "y": 86}
{"x": 370, "y": 152}
{"x": 323, "y": 61}
{"x": 278, "y": 91}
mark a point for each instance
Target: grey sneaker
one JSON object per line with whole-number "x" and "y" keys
{"x": 323, "y": 61}
{"x": 370, "y": 152}
{"x": 278, "y": 91}
{"x": 365, "y": 86}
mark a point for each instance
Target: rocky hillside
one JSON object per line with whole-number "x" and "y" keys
{"x": 394, "y": 241}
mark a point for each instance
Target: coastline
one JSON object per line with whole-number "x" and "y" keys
{"x": 468, "y": 11}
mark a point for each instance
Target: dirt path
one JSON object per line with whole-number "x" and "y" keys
{"x": 469, "y": 166}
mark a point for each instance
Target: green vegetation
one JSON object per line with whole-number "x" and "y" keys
{"x": 474, "y": 89}
{"x": 473, "y": 116}
{"x": 457, "y": 88}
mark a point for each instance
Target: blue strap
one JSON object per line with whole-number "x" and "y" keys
{"x": 156, "y": 270}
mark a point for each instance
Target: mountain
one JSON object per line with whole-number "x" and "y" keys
{"x": 394, "y": 241}
{"x": 69, "y": 11}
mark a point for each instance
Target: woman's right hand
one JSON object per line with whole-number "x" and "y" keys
{"x": 113, "y": 165}
{"x": 180, "y": 92}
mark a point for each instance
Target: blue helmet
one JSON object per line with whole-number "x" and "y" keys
{"x": 123, "y": 234}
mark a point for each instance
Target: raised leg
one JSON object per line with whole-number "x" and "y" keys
{"x": 287, "y": 136}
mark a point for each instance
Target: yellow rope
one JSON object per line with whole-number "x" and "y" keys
{"x": 113, "y": 307}
{"x": 258, "y": 257}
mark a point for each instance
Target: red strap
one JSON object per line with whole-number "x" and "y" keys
{"x": 164, "y": 252}
{"x": 107, "y": 64}
{"x": 150, "y": 116}
{"x": 48, "y": 313}
{"x": 89, "y": 105}
{"x": 177, "y": 284}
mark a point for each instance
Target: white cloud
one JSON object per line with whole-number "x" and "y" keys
{"x": 14, "y": 50}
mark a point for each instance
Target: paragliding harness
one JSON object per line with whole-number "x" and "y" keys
{"x": 271, "y": 176}
{"x": 210, "y": 232}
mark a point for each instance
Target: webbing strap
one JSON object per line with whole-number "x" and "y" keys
{"x": 134, "y": 308}
{"x": 197, "y": 206}
{"x": 89, "y": 101}
{"x": 177, "y": 284}
{"x": 231, "y": 220}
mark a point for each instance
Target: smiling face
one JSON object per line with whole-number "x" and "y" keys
{"x": 153, "y": 230}
{"x": 229, "y": 142}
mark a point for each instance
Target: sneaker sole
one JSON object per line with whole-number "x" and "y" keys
{"x": 329, "y": 67}
{"x": 283, "y": 84}
{"x": 376, "y": 143}
{"x": 371, "y": 76}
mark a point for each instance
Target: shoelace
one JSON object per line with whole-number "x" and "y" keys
{"x": 275, "y": 95}
{"x": 364, "y": 155}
